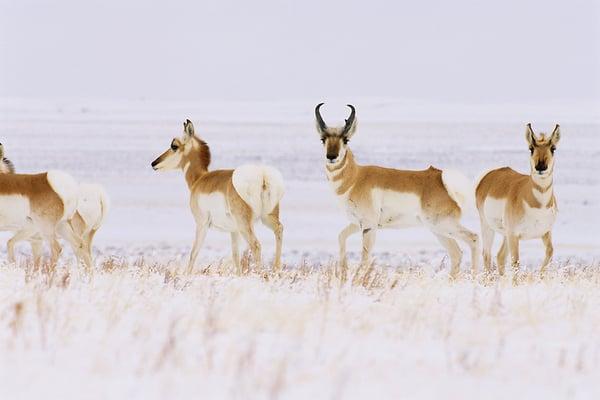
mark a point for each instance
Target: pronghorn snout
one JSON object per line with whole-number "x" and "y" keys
{"x": 154, "y": 164}
{"x": 331, "y": 156}
{"x": 541, "y": 166}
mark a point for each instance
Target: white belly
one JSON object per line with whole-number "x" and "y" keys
{"x": 536, "y": 222}
{"x": 215, "y": 206}
{"x": 14, "y": 212}
{"x": 397, "y": 209}
{"x": 494, "y": 214}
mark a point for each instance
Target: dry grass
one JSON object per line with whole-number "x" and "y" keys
{"x": 146, "y": 330}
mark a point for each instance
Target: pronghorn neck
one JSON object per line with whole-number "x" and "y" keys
{"x": 542, "y": 188}
{"x": 195, "y": 162}
{"x": 341, "y": 175}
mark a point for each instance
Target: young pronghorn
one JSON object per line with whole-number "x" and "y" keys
{"x": 39, "y": 205}
{"x": 519, "y": 206}
{"x": 227, "y": 200}
{"x": 376, "y": 197}
{"x": 92, "y": 207}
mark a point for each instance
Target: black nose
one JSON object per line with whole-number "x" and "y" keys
{"x": 540, "y": 167}
{"x": 154, "y": 163}
{"x": 331, "y": 156}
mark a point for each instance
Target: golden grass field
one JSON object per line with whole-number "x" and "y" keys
{"x": 142, "y": 330}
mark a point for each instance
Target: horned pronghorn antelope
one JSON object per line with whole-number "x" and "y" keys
{"x": 39, "y": 204}
{"x": 376, "y": 197}
{"x": 519, "y": 206}
{"x": 227, "y": 200}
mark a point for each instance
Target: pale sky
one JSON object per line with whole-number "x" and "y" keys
{"x": 462, "y": 50}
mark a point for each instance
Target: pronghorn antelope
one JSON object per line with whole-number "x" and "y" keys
{"x": 227, "y": 200}
{"x": 519, "y": 206}
{"x": 91, "y": 210}
{"x": 376, "y": 197}
{"x": 39, "y": 205}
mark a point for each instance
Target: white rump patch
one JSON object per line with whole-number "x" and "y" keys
{"x": 260, "y": 186}
{"x": 67, "y": 189}
{"x": 460, "y": 188}
{"x": 92, "y": 205}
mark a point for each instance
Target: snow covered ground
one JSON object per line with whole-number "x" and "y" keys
{"x": 139, "y": 329}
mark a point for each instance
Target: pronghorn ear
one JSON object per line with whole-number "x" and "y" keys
{"x": 529, "y": 135}
{"x": 188, "y": 128}
{"x": 555, "y": 137}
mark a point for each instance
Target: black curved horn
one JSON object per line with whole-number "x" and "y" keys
{"x": 350, "y": 119}
{"x": 322, "y": 124}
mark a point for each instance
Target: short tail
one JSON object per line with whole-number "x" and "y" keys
{"x": 260, "y": 186}
{"x": 67, "y": 189}
{"x": 460, "y": 189}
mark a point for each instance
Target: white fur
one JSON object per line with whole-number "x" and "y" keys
{"x": 396, "y": 209}
{"x": 260, "y": 186}
{"x": 460, "y": 188}
{"x": 92, "y": 205}
{"x": 14, "y": 212}
{"x": 67, "y": 189}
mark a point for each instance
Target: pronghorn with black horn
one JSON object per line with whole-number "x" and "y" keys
{"x": 39, "y": 205}
{"x": 376, "y": 197}
{"x": 229, "y": 200}
{"x": 519, "y": 206}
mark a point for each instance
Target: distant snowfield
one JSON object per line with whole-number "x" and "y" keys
{"x": 140, "y": 329}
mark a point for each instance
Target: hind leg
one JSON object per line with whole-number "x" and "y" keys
{"x": 77, "y": 244}
{"x": 272, "y": 222}
{"x": 502, "y": 254}
{"x": 470, "y": 239}
{"x": 37, "y": 249}
{"x": 487, "y": 238}
{"x": 19, "y": 236}
{"x": 235, "y": 251}
{"x": 453, "y": 251}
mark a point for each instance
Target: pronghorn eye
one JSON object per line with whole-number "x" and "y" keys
{"x": 174, "y": 147}
{"x": 345, "y": 140}
{"x": 531, "y": 149}
{"x": 323, "y": 140}
{"x": 552, "y": 149}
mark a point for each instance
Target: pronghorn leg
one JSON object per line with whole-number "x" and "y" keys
{"x": 249, "y": 236}
{"x": 368, "y": 240}
{"x": 201, "y": 228}
{"x": 55, "y": 249}
{"x": 513, "y": 248}
{"x": 454, "y": 252}
{"x": 470, "y": 239}
{"x": 89, "y": 239}
{"x": 547, "y": 239}
{"x": 501, "y": 257}
{"x": 272, "y": 221}
{"x": 235, "y": 252}
{"x": 19, "y": 236}
{"x": 347, "y": 231}
{"x": 487, "y": 238}
{"x": 77, "y": 244}
{"x": 37, "y": 249}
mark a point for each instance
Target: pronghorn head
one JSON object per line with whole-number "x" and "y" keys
{"x": 335, "y": 140}
{"x": 6, "y": 166}
{"x": 542, "y": 150}
{"x": 179, "y": 153}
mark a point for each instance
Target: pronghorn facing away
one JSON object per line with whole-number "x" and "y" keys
{"x": 376, "y": 197}
{"x": 91, "y": 210}
{"x": 92, "y": 207}
{"x": 39, "y": 204}
{"x": 228, "y": 200}
{"x": 519, "y": 206}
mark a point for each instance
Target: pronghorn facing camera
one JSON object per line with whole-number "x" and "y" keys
{"x": 519, "y": 206}
{"x": 227, "y": 200}
{"x": 39, "y": 205}
{"x": 376, "y": 197}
